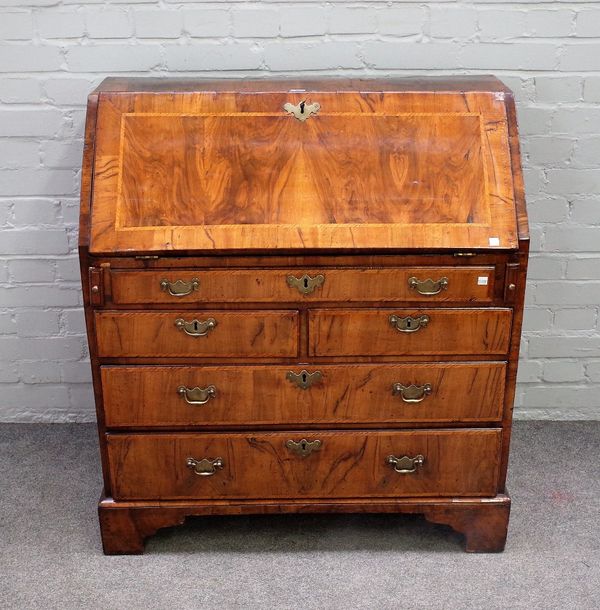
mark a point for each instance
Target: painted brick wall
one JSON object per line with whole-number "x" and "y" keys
{"x": 52, "y": 52}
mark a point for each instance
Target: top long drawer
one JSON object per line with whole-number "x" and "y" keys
{"x": 426, "y": 284}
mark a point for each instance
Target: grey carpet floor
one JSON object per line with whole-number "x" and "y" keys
{"x": 50, "y": 554}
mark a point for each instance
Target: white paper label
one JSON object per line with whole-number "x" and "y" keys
{"x": 482, "y": 280}
{"x": 494, "y": 241}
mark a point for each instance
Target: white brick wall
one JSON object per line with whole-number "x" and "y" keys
{"x": 52, "y": 52}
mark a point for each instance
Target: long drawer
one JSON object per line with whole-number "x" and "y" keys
{"x": 401, "y": 332}
{"x": 171, "y": 396}
{"x": 208, "y": 333}
{"x": 431, "y": 284}
{"x": 304, "y": 464}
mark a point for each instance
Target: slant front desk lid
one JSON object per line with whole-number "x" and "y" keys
{"x": 266, "y": 166}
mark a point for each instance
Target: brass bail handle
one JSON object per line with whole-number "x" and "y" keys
{"x": 409, "y": 324}
{"x": 411, "y": 393}
{"x": 405, "y": 464}
{"x": 205, "y": 467}
{"x": 197, "y": 396}
{"x": 428, "y": 287}
{"x": 179, "y": 288}
{"x": 196, "y": 328}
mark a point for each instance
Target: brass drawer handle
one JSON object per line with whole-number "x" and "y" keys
{"x": 305, "y": 284}
{"x": 409, "y": 324}
{"x": 428, "y": 287}
{"x": 197, "y": 396}
{"x": 303, "y": 447}
{"x": 411, "y": 393}
{"x": 196, "y": 328}
{"x": 205, "y": 467}
{"x": 405, "y": 464}
{"x": 304, "y": 379}
{"x": 180, "y": 288}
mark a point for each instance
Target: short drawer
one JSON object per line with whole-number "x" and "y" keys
{"x": 304, "y": 464}
{"x": 171, "y": 396}
{"x": 207, "y": 333}
{"x": 427, "y": 284}
{"x": 402, "y": 332}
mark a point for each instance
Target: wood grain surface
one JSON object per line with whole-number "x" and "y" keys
{"x": 364, "y": 332}
{"x": 348, "y": 464}
{"x": 248, "y": 333}
{"x": 467, "y": 284}
{"x": 142, "y": 396}
{"x": 482, "y": 521}
{"x": 193, "y": 172}
{"x": 271, "y": 170}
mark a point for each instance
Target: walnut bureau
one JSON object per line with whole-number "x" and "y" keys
{"x": 303, "y": 296}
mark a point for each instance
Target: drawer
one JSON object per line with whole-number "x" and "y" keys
{"x": 171, "y": 396}
{"x": 427, "y": 284}
{"x": 280, "y": 465}
{"x": 403, "y": 332}
{"x": 207, "y": 333}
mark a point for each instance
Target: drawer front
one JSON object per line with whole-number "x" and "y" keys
{"x": 402, "y": 332}
{"x": 171, "y": 396}
{"x": 279, "y": 465}
{"x": 206, "y": 333}
{"x": 427, "y": 284}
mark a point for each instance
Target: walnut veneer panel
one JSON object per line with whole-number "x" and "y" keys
{"x": 467, "y": 284}
{"x": 199, "y": 172}
{"x": 368, "y": 332}
{"x": 263, "y": 395}
{"x": 249, "y": 333}
{"x": 348, "y": 464}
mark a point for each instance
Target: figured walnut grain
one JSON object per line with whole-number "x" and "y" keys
{"x": 249, "y": 395}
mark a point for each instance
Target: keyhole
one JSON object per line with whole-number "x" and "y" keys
{"x": 305, "y": 282}
{"x": 408, "y": 323}
{"x": 196, "y": 325}
{"x": 302, "y": 107}
{"x": 303, "y": 443}
{"x": 304, "y": 377}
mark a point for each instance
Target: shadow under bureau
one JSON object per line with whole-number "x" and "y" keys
{"x": 303, "y": 296}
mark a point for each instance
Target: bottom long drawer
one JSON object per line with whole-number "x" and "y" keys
{"x": 305, "y": 464}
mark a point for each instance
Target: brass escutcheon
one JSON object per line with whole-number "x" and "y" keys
{"x": 197, "y": 396}
{"x": 409, "y": 324}
{"x": 305, "y": 284}
{"x": 304, "y": 379}
{"x": 303, "y": 447}
{"x": 411, "y": 393}
{"x": 405, "y": 464}
{"x": 196, "y": 328}
{"x": 303, "y": 110}
{"x": 180, "y": 288}
{"x": 428, "y": 287}
{"x": 205, "y": 467}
